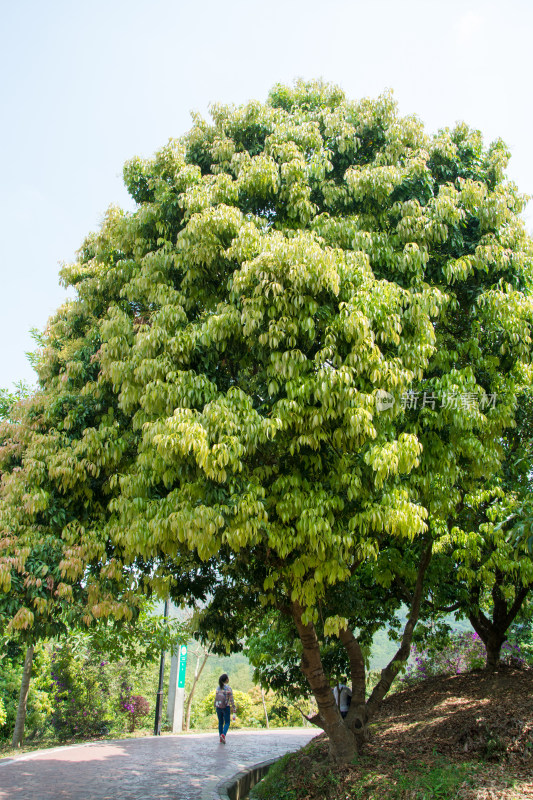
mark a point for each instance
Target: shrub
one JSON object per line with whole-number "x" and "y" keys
{"x": 135, "y": 706}
{"x": 3, "y": 715}
{"x": 521, "y": 634}
{"x": 284, "y": 714}
{"x": 74, "y": 691}
{"x": 82, "y": 702}
{"x": 461, "y": 652}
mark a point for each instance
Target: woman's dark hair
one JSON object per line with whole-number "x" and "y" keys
{"x": 222, "y": 680}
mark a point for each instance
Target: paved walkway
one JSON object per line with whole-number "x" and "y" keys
{"x": 185, "y": 767}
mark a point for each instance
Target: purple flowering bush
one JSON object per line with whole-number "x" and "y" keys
{"x": 461, "y": 652}
{"x": 134, "y": 705}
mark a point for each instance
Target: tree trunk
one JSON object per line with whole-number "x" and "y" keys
{"x": 494, "y": 647}
{"x": 342, "y": 741}
{"x": 197, "y": 672}
{"x": 492, "y": 632}
{"x": 346, "y": 737}
{"x": 491, "y": 637}
{"x": 264, "y": 706}
{"x": 18, "y": 733}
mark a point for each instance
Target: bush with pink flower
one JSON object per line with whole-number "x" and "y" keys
{"x": 135, "y": 705}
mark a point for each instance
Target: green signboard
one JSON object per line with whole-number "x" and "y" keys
{"x": 182, "y": 666}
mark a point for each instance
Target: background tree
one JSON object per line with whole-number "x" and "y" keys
{"x": 201, "y": 654}
{"x": 35, "y": 602}
{"x": 8, "y": 399}
{"x": 48, "y": 589}
{"x": 485, "y": 569}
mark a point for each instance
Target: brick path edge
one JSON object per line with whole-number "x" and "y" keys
{"x": 241, "y": 783}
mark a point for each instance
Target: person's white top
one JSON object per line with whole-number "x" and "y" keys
{"x": 341, "y": 693}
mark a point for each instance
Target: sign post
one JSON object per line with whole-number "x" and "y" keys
{"x": 176, "y": 693}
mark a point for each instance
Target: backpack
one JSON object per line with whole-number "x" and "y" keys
{"x": 221, "y": 698}
{"x": 345, "y": 697}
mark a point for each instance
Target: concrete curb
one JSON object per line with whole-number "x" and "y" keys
{"x": 240, "y": 784}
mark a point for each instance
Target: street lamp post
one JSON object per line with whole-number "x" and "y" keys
{"x": 159, "y": 700}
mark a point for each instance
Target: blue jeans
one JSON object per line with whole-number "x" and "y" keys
{"x": 223, "y": 720}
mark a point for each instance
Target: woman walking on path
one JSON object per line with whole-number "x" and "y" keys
{"x": 223, "y": 702}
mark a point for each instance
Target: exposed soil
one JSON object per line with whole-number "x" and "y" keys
{"x": 479, "y": 723}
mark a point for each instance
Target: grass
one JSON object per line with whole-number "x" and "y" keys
{"x": 420, "y": 781}
{"x": 275, "y": 783}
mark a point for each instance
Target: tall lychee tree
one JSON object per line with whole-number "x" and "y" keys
{"x": 312, "y": 329}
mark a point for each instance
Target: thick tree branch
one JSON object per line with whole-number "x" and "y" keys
{"x": 357, "y": 665}
{"x": 493, "y": 631}
{"x": 442, "y": 609}
{"x": 517, "y": 605}
{"x": 315, "y": 719}
{"x": 391, "y": 670}
{"x": 357, "y": 716}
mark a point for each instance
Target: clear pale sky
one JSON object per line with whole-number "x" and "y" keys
{"x": 87, "y": 85}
